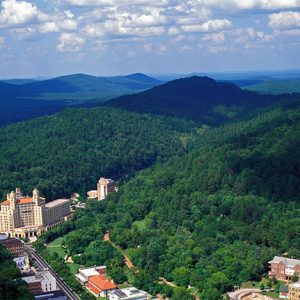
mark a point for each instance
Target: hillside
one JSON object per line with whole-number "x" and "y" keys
{"x": 229, "y": 206}
{"x": 276, "y": 86}
{"x": 69, "y": 151}
{"x": 197, "y": 98}
{"x": 21, "y": 100}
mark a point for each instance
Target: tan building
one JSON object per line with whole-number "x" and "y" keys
{"x": 104, "y": 187}
{"x": 30, "y": 216}
{"x": 294, "y": 291}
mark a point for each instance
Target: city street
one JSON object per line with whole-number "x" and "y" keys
{"x": 44, "y": 265}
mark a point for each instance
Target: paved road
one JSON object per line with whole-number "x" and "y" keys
{"x": 238, "y": 294}
{"x": 60, "y": 283}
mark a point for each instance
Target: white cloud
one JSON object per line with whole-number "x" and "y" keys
{"x": 215, "y": 38}
{"x": 17, "y": 12}
{"x": 117, "y": 2}
{"x": 208, "y": 26}
{"x": 69, "y": 42}
{"x": 251, "y": 4}
{"x": 283, "y": 20}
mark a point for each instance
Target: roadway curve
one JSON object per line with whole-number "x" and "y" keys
{"x": 43, "y": 264}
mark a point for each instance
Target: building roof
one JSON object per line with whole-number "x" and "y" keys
{"x": 88, "y": 272}
{"x": 295, "y": 285}
{"x": 93, "y": 288}
{"x": 12, "y": 241}
{"x": 56, "y": 202}
{"x": 102, "y": 283}
{"x": 25, "y": 200}
{"x": 287, "y": 261}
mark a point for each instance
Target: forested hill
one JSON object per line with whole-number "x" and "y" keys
{"x": 25, "y": 99}
{"x": 212, "y": 218}
{"x": 197, "y": 98}
{"x": 68, "y": 151}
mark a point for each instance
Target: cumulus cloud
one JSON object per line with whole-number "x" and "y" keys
{"x": 209, "y": 26}
{"x": 69, "y": 42}
{"x": 252, "y": 4}
{"x": 117, "y": 2}
{"x": 16, "y": 12}
{"x": 284, "y": 20}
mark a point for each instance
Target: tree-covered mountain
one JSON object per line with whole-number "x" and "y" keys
{"x": 212, "y": 218}
{"x": 201, "y": 99}
{"x": 276, "y": 86}
{"x": 69, "y": 151}
{"x": 25, "y": 99}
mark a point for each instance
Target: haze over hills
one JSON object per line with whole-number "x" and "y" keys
{"x": 23, "y": 100}
{"x": 275, "y": 86}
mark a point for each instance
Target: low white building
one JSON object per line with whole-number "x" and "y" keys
{"x": 84, "y": 273}
{"x": 130, "y": 293}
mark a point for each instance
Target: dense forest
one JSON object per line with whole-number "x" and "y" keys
{"x": 200, "y": 99}
{"x": 203, "y": 207}
{"x": 69, "y": 151}
{"x": 11, "y": 285}
{"x": 229, "y": 206}
{"x": 25, "y": 99}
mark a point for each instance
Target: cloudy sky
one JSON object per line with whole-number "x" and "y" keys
{"x": 108, "y": 37}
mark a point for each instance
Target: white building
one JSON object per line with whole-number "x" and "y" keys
{"x": 46, "y": 280}
{"x": 130, "y": 293}
{"x": 84, "y": 273}
{"x": 104, "y": 187}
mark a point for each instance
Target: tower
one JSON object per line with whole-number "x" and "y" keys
{"x": 102, "y": 188}
{"x": 35, "y": 196}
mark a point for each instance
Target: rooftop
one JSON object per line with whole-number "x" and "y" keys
{"x": 102, "y": 283}
{"x": 287, "y": 261}
{"x": 12, "y": 241}
{"x": 295, "y": 285}
{"x": 93, "y": 289}
{"x": 91, "y": 271}
{"x": 56, "y": 202}
{"x": 25, "y": 200}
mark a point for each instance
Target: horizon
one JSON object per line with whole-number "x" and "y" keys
{"x": 155, "y": 37}
{"x": 258, "y": 72}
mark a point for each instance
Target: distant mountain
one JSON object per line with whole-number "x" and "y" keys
{"x": 144, "y": 78}
{"x": 276, "y": 86}
{"x": 19, "y": 81}
{"x": 22, "y": 99}
{"x": 200, "y": 99}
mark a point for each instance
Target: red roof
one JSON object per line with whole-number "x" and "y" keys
{"x": 93, "y": 289}
{"x": 102, "y": 283}
{"x": 21, "y": 201}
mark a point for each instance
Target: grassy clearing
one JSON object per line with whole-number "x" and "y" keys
{"x": 56, "y": 247}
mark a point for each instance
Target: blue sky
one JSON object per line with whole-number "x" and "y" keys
{"x": 109, "y": 37}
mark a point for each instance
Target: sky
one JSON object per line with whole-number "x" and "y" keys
{"x": 115, "y": 37}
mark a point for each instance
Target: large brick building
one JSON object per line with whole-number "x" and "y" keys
{"x": 30, "y": 216}
{"x": 284, "y": 268}
{"x": 14, "y": 246}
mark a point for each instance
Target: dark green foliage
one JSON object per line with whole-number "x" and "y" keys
{"x": 25, "y": 99}
{"x": 196, "y": 98}
{"x": 11, "y": 285}
{"x": 204, "y": 219}
{"x": 69, "y": 151}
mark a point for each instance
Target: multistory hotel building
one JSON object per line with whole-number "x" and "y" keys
{"x": 30, "y": 216}
{"x": 104, "y": 187}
